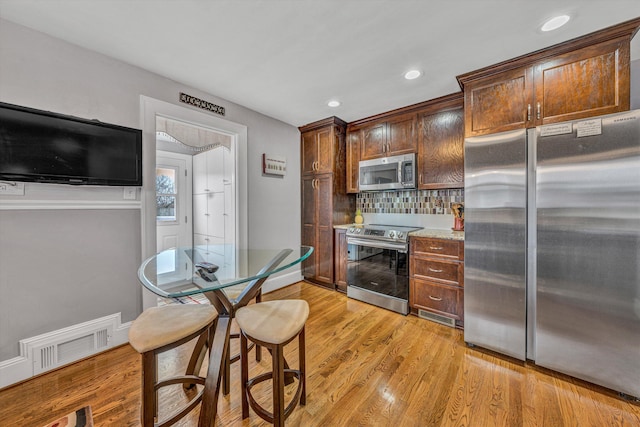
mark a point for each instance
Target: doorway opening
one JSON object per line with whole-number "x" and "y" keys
{"x": 196, "y": 201}
{"x": 151, "y": 110}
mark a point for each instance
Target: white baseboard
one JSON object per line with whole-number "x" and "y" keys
{"x": 51, "y": 350}
{"x": 278, "y": 282}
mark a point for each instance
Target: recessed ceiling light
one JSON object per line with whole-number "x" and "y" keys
{"x": 412, "y": 74}
{"x": 555, "y": 23}
{"x": 333, "y": 103}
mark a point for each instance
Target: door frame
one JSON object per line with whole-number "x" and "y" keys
{"x": 149, "y": 109}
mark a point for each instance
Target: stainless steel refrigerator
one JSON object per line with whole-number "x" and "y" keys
{"x": 552, "y": 247}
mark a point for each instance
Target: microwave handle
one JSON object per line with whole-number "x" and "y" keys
{"x": 401, "y": 170}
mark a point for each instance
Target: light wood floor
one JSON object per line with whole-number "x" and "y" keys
{"x": 366, "y": 367}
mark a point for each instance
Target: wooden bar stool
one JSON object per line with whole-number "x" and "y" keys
{"x": 273, "y": 325}
{"x": 157, "y": 330}
{"x": 227, "y": 301}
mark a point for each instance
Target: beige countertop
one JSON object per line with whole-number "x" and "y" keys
{"x": 425, "y": 232}
{"x": 343, "y": 226}
{"x": 438, "y": 234}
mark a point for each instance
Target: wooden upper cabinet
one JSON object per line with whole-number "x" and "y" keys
{"x": 318, "y": 150}
{"x": 588, "y": 82}
{"x": 583, "y": 77}
{"x": 401, "y": 135}
{"x": 374, "y": 141}
{"x": 353, "y": 160}
{"x": 441, "y": 149}
{"x": 433, "y": 129}
{"x": 325, "y": 143}
{"x": 309, "y": 152}
{"x": 498, "y": 103}
{"x": 393, "y": 136}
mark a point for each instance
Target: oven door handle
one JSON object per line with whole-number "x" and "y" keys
{"x": 400, "y": 247}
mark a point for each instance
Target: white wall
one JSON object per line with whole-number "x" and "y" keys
{"x": 42, "y": 72}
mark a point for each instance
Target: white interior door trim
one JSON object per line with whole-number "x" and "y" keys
{"x": 149, "y": 109}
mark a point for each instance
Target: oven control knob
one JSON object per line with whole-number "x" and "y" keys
{"x": 358, "y": 230}
{"x": 392, "y": 234}
{"x": 351, "y": 229}
{"x": 400, "y": 235}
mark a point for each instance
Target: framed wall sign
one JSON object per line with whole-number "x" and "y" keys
{"x": 274, "y": 165}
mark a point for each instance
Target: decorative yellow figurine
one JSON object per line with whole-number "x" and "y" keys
{"x": 358, "y": 218}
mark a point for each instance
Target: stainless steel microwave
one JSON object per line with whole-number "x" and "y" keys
{"x": 388, "y": 173}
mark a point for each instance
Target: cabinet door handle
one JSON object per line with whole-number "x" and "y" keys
{"x": 538, "y": 112}
{"x": 434, "y": 271}
{"x": 420, "y": 179}
{"x": 434, "y": 298}
{"x": 528, "y": 112}
{"x": 436, "y": 248}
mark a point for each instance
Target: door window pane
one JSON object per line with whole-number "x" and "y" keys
{"x": 166, "y": 194}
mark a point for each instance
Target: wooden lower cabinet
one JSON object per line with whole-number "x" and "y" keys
{"x": 436, "y": 277}
{"x": 340, "y": 261}
{"x": 317, "y": 228}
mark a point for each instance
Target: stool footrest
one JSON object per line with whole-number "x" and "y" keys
{"x": 184, "y": 411}
{"x": 263, "y": 413}
{"x": 191, "y": 380}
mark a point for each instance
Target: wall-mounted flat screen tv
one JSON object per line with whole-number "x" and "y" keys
{"x": 40, "y": 146}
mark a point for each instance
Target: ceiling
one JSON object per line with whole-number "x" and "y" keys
{"x": 287, "y": 58}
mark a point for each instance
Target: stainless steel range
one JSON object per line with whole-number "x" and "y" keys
{"x": 378, "y": 265}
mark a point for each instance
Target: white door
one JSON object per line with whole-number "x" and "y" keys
{"x": 173, "y": 200}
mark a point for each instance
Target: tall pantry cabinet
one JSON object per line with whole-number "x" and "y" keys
{"x": 325, "y": 201}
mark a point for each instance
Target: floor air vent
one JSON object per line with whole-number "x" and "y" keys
{"x": 57, "y": 348}
{"x": 423, "y": 314}
{"x": 68, "y": 349}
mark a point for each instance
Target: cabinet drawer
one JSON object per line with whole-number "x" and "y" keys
{"x": 438, "y": 270}
{"x": 441, "y": 299}
{"x": 437, "y": 247}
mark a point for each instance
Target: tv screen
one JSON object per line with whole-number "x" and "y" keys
{"x": 40, "y": 146}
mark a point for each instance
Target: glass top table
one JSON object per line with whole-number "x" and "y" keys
{"x": 208, "y": 270}
{"x": 193, "y": 270}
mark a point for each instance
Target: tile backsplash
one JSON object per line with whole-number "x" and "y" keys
{"x": 436, "y": 202}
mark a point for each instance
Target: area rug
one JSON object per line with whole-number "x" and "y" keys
{"x": 80, "y": 418}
